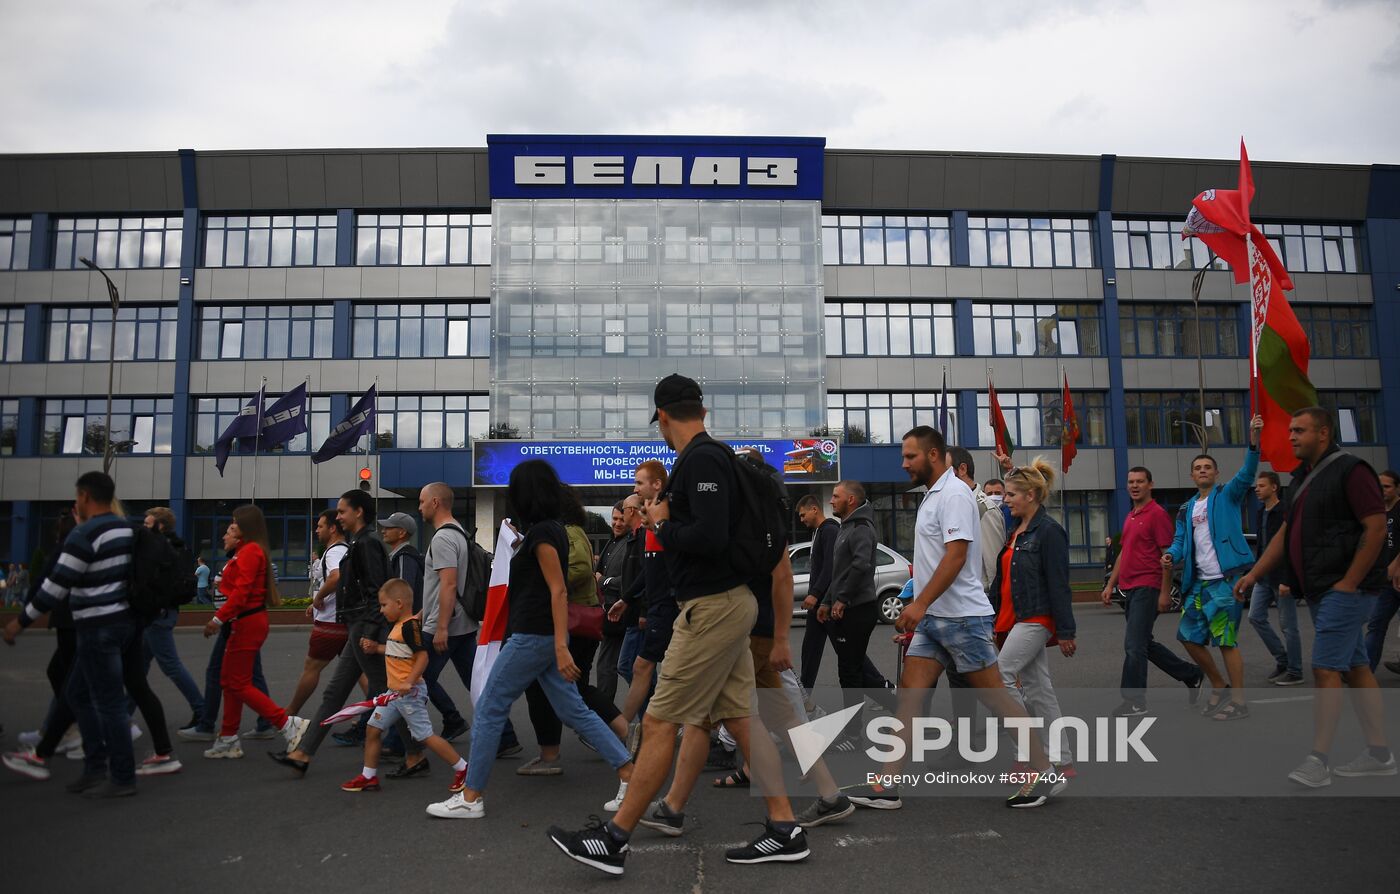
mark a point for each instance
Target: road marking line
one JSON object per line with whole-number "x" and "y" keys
{"x": 1279, "y": 701}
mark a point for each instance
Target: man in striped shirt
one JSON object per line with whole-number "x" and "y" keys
{"x": 92, "y": 576}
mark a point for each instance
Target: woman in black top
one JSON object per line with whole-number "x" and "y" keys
{"x": 537, "y": 647}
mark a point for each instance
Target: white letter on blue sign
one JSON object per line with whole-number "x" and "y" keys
{"x": 653, "y": 170}
{"x": 772, "y": 171}
{"x": 714, "y": 172}
{"x": 593, "y": 170}
{"x": 539, "y": 170}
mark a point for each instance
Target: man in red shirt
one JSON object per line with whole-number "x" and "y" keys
{"x": 1147, "y": 531}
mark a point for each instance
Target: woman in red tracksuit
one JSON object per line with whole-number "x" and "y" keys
{"x": 250, "y": 588}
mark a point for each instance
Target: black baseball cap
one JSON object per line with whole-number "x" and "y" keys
{"x": 675, "y": 389}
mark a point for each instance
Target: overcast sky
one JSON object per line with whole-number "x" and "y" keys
{"x": 1304, "y": 80}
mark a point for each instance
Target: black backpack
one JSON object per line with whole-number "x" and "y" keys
{"x": 471, "y": 593}
{"x": 162, "y": 572}
{"x": 758, "y": 533}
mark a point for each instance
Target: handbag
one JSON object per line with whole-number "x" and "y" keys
{"x": 586, "y": 621}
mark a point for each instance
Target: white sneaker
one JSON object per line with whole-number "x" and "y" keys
{"x": 458, "y": 807}
{"x": 159, "y": 765}
{"x": 615, "y": 804}
{"x": 1366, "y": 765}
{"x": 27, "y": 763}
{"x": 71, "y": 740}
{"x": 1312, "y": 772}
{"x": 30, "y": 739}
{"x": 135, "y": 732}
{"x": 225, "y": 746}
{"x": 293, "y": 730}
{"x": 76, "y": 753}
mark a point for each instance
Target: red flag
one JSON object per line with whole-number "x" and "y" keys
{"x": 493, "y": 626}
{"x": 1069, "y": 429}
{"x": 1279, "y": 354}
{"x": 1004, "y": 444}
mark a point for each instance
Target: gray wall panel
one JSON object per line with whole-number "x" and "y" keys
{"x": 344, "y": 183}
{"x": 996, "y": 184}
{"x": 233, "y": 183}
{"x": 962, "y": 188}
{"x": 267, "y": 176}
{"x": 890, "y": 182}
{"x": 854, "y": 181}
{"x": 418, "y": 183}
{"x": 380, "y": 179}
{"x": 111, "y": 188}
{"x": 456, "y": 180}
{"x": 483, "y": 180}
{"x": 1032, "y": 188}
{"x": 928, "y": 183}
{"x": 306, "y": 181}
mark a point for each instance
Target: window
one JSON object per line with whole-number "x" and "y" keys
{"x": 9, "y": 426}
{"x": 423, "y": 330}
{"x": 1157, "y": 244}
{"x": 117, "y": 242}
{"x": 276, "y": 240}
{"x": 140, "y": 425}
{"x": 855, "y": 329}
{"x": 1358, "y": 415}
{"x": 605, "y": 323}
{"x": 895, "y": 507}
{"x": 1037, "y": 330}
{"x": 883, "y": 417}
{"x": 14, "y": 243}
{"x": 1030, "y": 242}
{"x": 719, "y": 324}
{"x": 1034, "y": 418}
{"x": 1314, "y": 248}
{"x": 290, "y": 526}
{"x": 1085, "y": 517}
{"x": 266, "y": 331}
{"x": 415, "y": 240}
{"x": 1337, "y": 331}
{"x": 12, "y": 334}
{"x": 143, "y": 332}
{"x": 213, "y": 414}
{"x": 1171, "y": 330}
{"x": 430, "y": 421}
{"x": 918, "y": 241}
{"x": 1169, "y": 418}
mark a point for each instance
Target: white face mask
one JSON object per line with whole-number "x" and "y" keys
{"x": 994, "y": 499}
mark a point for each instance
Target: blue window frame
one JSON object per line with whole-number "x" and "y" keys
{"x": 143, "y": 332}
{"x": 290, "y": 529}
{"x": 118, "y": 242}
{"x": 1034, "y": 418}
{"x": 1145, "y": 244}
{"x": 416, "y": 240}
{"x": 1169, "y": 418}
{"x": 266, "y": 331}
{"x": 1338, "y": 331}
{"x": 882, "y": 417}
{"x": 896, "y": 240}
{"x": 14, "y": 243}
{"x": 1084, "y": 514}
{"x": 879, "y": 329}
{"x": 213, "y": 414}
{"x": 423, "y": 330}
{"x": 1037, "y": 330}
{"x": 1358, "y": 415}
{"x": 430, "y": 421}
{"x": 12, "y": 334}
{"x": 76, "y": 426}
{"x": 1030, "y": 241}
{"x": 1171, "y": 330}
{"x": 269, "y": 240}
{"x": 1315, "y": 247}
{"x": 9, "y": 425}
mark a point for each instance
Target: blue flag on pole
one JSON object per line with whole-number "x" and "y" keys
{"x": 284, "y": 420}
{"x": 347, "y": 433}
{"x": 943, "y": 407}
{"x": 244, "y": 425}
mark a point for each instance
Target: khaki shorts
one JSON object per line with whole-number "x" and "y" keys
{"x": 709, "y": 670}
{"x": 764, "y": 676}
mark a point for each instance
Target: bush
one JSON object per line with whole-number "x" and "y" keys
{"x": 301, "y": 602}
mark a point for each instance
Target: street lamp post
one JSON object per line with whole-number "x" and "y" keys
{"x": 115, "y": 297}
{"x": 1197, "y": 282}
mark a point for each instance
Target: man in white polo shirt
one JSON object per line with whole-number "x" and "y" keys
{"x": 950, "y": 616}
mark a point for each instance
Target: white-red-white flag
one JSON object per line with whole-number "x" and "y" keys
{"x": 493, "y": 625}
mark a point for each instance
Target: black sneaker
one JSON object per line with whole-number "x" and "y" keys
{"x": 1193, "y": 689}
{"x": 772, "y": 847}
{"x": 1278, "y": 672}
{"x": 879, "y": 799}
{"x": 1036, "y": 792}
{"x": 663, "y": 819}
{"x": 509, "y": 749}
{"x": 86, "y": 782}
{"x": 1130, "y": 709}
{"x": 451, "y": 730}
{"x": 592, "y": 846}
{"x": 846, "y": 745}
{"x": 1288, "y": 679}
{"x": 823, "y": 811}
{"x": 408, "y": 771}
{"x": 110, "y": 790}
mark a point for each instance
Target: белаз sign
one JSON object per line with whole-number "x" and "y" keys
{"x": 528, "y": 167}
{"x": 614, "y": 463}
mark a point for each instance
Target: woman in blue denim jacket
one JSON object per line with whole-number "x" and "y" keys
{"x": 1032, "y": 598}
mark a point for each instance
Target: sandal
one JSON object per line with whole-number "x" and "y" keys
{"x": 1231, "y": 711}
{"x": 737, "y": 779}
{"x": 1217, "y": 698}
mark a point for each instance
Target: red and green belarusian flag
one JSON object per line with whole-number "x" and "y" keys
{"x": 1069, "y": 428}
{"x": 1279, "y": 384}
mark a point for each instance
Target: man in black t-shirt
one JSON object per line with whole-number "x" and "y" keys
{"x": 708, "y": 674}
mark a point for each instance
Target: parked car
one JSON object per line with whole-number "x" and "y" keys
{"x": 891, "y": 572}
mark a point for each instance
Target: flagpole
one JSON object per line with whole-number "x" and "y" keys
{"x": 311, "y": 483}
{"x": 376, "y": 453}
{"x": 257, "y": 437}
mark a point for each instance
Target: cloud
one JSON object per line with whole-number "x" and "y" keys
{"x": 1303, "y": 79}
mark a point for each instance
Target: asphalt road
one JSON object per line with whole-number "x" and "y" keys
{"x": 248, "y": 826}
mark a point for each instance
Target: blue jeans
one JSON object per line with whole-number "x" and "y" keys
{"x": 202, "y": 597}
{"x": 214, "y": 693}
{"x": 1139, "y": 647}
{"x": 1338, "y": 641}
{"x": 1290, "y": 657}
{"x": 98, "y": 699}
{"x": 631, "y": 645}
{"x": 963, "y": 644}
{"x": 160, "y": 645}
{"x": 461, "y": 650}
{"x": 1387, "y": 604}
{"x": 525, "y": 659}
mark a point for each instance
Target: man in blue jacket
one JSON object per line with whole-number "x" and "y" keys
{"x": 1209, "y": 546}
